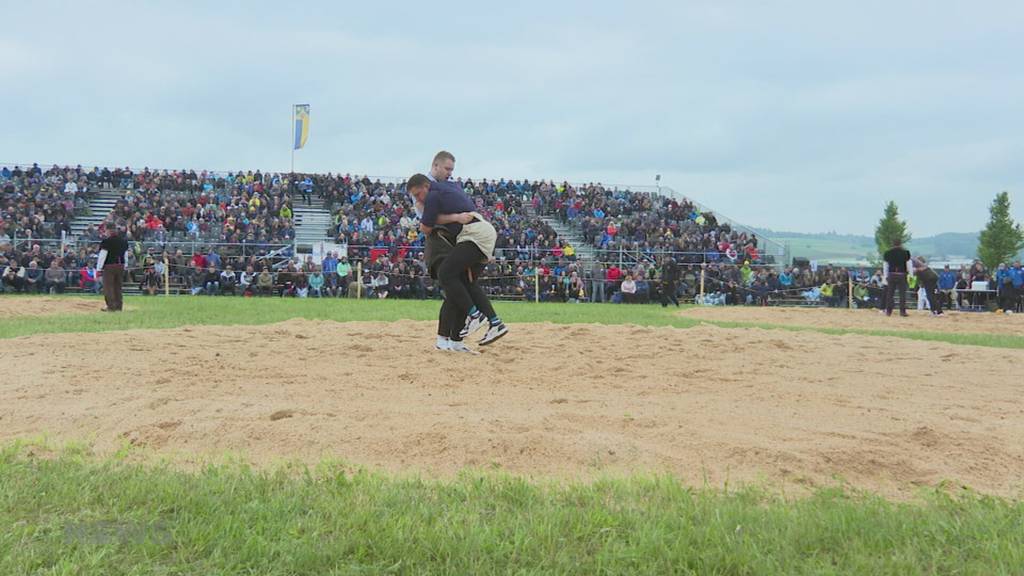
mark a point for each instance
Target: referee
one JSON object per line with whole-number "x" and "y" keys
{"x": 895, "y": 267}
{"x": 111, "y": 262}
{"x": 669, "y": 278}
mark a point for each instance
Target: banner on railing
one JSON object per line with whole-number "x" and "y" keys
{"x": 320, "y": 249}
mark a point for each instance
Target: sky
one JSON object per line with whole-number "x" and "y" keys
{"x": 801, "y": 116}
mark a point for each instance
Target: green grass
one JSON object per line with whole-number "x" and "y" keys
{"x": 965, "y": 339}
{"x": 158, "y": 313}
{"x": 75, "y": 515}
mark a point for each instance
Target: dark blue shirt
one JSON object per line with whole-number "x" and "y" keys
{"x": 947, "y": 280}
{"x": 1017, "y": 277}
{"x": 445, "y": 198}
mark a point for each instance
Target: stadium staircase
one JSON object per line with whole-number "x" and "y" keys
{"x": 100, "y": 206}
{"x": 584, "y": 251}
{"x": 312, "y": 223}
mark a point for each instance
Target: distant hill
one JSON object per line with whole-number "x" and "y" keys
{"x": 850, "y": 248}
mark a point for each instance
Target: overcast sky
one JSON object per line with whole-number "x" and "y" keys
{"x": 802, "y": 116}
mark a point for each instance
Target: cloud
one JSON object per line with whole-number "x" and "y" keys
{"x": 797, "y": 115}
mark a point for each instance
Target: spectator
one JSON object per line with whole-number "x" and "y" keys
{"x": 961, "y": 288}
{"x": 55, "y": 278}
{"x": 628, "y": 289}
{"x": 344, "y": 274}
{"x": 301, "y": 284}
{"x": 316, "y": 283}
{"x": 947, "y": 285}
{"x": 213, "y": 258}
{"x": 379, "y": 285}
{"x": 265, "y": 283}
{"x": 194, "y": 278}
{"x": 1017, "y": 280}
{"x": 151, "y": 279}
{"x": 1007, "y": 295}
{"x": 355, "y": 290}
{"x": 286, "y": 280}
{"x": 246, "y": 280}
{"x": 577, "y": 290}
{"x": 14, "y": 276}
{"x": 34, "y": 277}
{"x": 228, "y": 280}
{"x": 211, "y": 281}
{"x": 597, "y": 281}
{"x": 87, "y": 279}
{"x": 329, "y": 268}
{"x": 614, "y": 276}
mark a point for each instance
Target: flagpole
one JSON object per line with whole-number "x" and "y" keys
{"x": 293, "y": 142}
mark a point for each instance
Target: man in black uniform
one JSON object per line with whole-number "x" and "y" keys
{"x": 111, "y": 262}
{"x": 669, "y": 278}
{"x": 894, "y": 274}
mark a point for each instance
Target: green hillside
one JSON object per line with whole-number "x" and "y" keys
{"x": 831, "y": 247}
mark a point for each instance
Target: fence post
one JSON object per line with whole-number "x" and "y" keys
{"x": 702, "y": 284}
{"x": 359, "y": 280}
{"x": 849, "y": 281}
{"x": 536, "y": 285}
{"x": 167, "y": 276}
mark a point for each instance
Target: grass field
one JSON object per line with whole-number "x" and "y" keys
{"x": 66, "y": 511}
{"x": 160, "y": 313}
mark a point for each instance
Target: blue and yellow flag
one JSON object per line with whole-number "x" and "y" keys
{"x": 301, "y": 118}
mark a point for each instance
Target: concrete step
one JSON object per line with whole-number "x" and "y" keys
{"x": 312, "y": 223}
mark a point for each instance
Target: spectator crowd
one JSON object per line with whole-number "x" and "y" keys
{"x": 630, "y": 234}
{"x": 40, "y": 204}
{"x": 234, "y": 208}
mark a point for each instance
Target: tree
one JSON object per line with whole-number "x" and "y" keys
{"x": 889, "y": 228}
{"x": 1001, "y": 239}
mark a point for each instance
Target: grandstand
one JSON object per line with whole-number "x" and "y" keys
{"x": 554, "y": 239}
{"x": 104, "y": 189}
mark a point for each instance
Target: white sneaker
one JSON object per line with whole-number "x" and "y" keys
{"x": 461, "y": 347}
{"x": 493, "y": 333}
{"x": 443, "y": 344}
{"x": 473, "y": 323}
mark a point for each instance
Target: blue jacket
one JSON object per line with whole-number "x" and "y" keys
{"x": 1017, "y": 277}
{"x": 1000, "y": 275}
{"x": 947, "y": 280}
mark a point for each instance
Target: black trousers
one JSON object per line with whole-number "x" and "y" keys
{"x": 449, "y": 322}
{"x": 452, "y": 275}
{"x": 668, "y": 293}
{"x": 934, "y": 296}
{"x": 113, "y": 278}
{"x": 897, "y": 281}
{"x": 460, "y": 291}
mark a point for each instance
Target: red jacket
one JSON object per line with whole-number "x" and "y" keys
{"x": 84, "y": 276}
